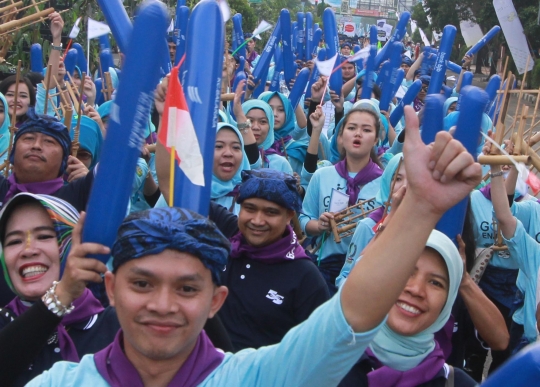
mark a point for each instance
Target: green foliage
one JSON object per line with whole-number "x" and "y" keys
{"x": 535, "y": 81}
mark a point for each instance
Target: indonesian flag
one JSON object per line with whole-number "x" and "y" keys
{"x": 177, "y": 131}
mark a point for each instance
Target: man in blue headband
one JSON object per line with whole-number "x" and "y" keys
{"x": 346, "y": 49}
{"x": 273, "y": 285}
{"x": 164, "y": 287}
{"x": 41, "y": 156}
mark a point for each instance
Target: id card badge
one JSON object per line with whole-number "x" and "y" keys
{"x": 338, "y": 201}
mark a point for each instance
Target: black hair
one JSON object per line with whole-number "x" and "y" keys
{"x": 6, "y": 84}
{"x": 376, "y": 90}
{"x": 468, "y": 238}
{"x": 35, "y": 78}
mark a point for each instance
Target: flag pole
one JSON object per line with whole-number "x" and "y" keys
{"x": 171, "y": 177}
{"x": 88, "y": 55}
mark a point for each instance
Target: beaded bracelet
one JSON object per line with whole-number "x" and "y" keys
{"x": 50, "y": 299}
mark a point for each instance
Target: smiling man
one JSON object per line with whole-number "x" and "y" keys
{"x": 273, "y": 285}
{"x": 166, "y": 283}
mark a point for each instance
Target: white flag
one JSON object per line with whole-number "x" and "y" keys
{"x": 171, "y": 27}
{"x": 96, "y": 29}
{"x": 75, "y": 30}
{"x": 513, "y": 33}
{"x": 325, "y": 67}
{"x": 262, "y": 27}
{"x": 362, "y": 54}
{"x": 424, "y": 37}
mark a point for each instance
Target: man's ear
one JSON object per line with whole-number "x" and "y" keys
{"x": 220, "y": 294}
{"x": 110, "y": 282}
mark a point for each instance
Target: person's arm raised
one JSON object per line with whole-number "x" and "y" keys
{"x": 439, "y": 176}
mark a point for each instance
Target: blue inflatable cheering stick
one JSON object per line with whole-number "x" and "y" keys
{"x": 485, "y": 40}
{"x": 332, "y": 42}
{"x": 182, "y": 17}
{"x": 81, "y": 58}
{"x": 36, "y": 58}
{"x": 407, "y": 99}
{"x": 266, "y": 56}
{"x": 205, "y": 43}
{"x": 468, "y": 133}
{"x": 111, "y": 191}
{"x": 286, "y": 40}
{"x": 439, "y": 72}
{"x": 308, "y": 36}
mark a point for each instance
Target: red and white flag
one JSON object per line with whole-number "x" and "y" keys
{"x": 177, "y": 131}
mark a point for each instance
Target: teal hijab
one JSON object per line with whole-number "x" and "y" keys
{"x": 386, "y": 179}
{"x": 223, "y": 117}
{"x": 219, "y": 187}
{"x": 105, "y": 109}
{"x": 447, "y": 104}
{"x": 403, "y": 353}
{"x": 90, "y": 137}
{"x": 290, "y": 119}
{"x": 4, "y": 131}
{"x": 258, "y": 104}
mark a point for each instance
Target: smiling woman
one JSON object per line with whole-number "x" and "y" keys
{"x": 405, "y": 351}
{"x": 36, "y": 237}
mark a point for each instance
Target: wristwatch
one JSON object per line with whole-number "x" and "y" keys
{"x": 244, "y": 126}
{"x": 57, "y": 48}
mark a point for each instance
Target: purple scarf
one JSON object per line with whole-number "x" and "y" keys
{"x": 43, "y": 187}
{"x": 370, "y": 172}
{"x": 252, "y": 56}
{"x": 277, "y": 148}
{"x": 422, "y": 373}
{"x": 113, "y": 365}
{"x": 486, "y": 191}
{"x": 376, "y": 215}
{"x": 417, "y": 104}
{"x": 444, "y": 337}
{"x": 284, "y": 249}
{"x": 85, "y": 307}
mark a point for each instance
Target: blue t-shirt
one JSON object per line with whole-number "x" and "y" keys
{"x": 318, "y": 352}
{"x": 317, "y": 201}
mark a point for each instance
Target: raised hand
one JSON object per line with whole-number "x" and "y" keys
{"x": 318, "y": 89}
{"x": 439, "y": 175}
{"x": 80, "y": 269}
{"x": 57, "y": 25}
{"x": 317, "y": 119}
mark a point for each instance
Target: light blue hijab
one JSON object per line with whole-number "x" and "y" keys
{"x": 90, "y": 137}
{"x": 386, "y": 179}
{"x": 290, "y": 119}
{"x": 403, "y": 353}
{"x": 447, "y": 104}
{"x": 267, "y": 109}
{"x": 219, "y": 187}
{"x": 4, "y": 131}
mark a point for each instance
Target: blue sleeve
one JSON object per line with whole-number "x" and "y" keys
{"x": 40, "y": 100}
{"x": 318, "y": 352}
{"x": 525, "y": 250}
{"x": 310, "y": 207}
{"x": 298, "y": 132}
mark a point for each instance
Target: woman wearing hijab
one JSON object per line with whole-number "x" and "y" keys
{"x": 48, "y": 321}
{"x": 229, "y": 162}
{"x": 404, "y": 352}
{"x": 289, "y": 138}
{"x": 4, "y": 129}
{"x": 367, "y": 227}
{"x": 258, "y": 116}
{"x": 356, "y": 175}
{"x": 90, "y": 141}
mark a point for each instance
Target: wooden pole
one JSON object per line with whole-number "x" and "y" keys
{"x": 47, "y": 87}
{"x": 521, "y": 128}
{"x": 75, "y": 143}
{"x": 11, "y": 6}
{"x": 499, "y": 131}
{"x": 28, "y": 19}
{"x": 13, "y": 128}
{"x": 502, "y": 159}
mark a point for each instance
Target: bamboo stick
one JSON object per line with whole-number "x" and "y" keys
{"x": 499, "y": 132}
{"x": 13, "y": 128}
{"x": 75, "y": 143}
{"x": 42, "y": 19}
{"x": 502, "y": 159}
{"x": 47, "y": 86}
{"x": 30, "y": 6}
{"x": 523, "y": 121}
{"x": 11, "y": 6}
{"x": 535, "y": 159}
{"x": 16, "y": 23}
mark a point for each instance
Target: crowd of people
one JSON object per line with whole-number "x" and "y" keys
{"x": 262, "y": 292}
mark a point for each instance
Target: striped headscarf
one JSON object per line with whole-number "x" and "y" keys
{"x": 62, "y": 214}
